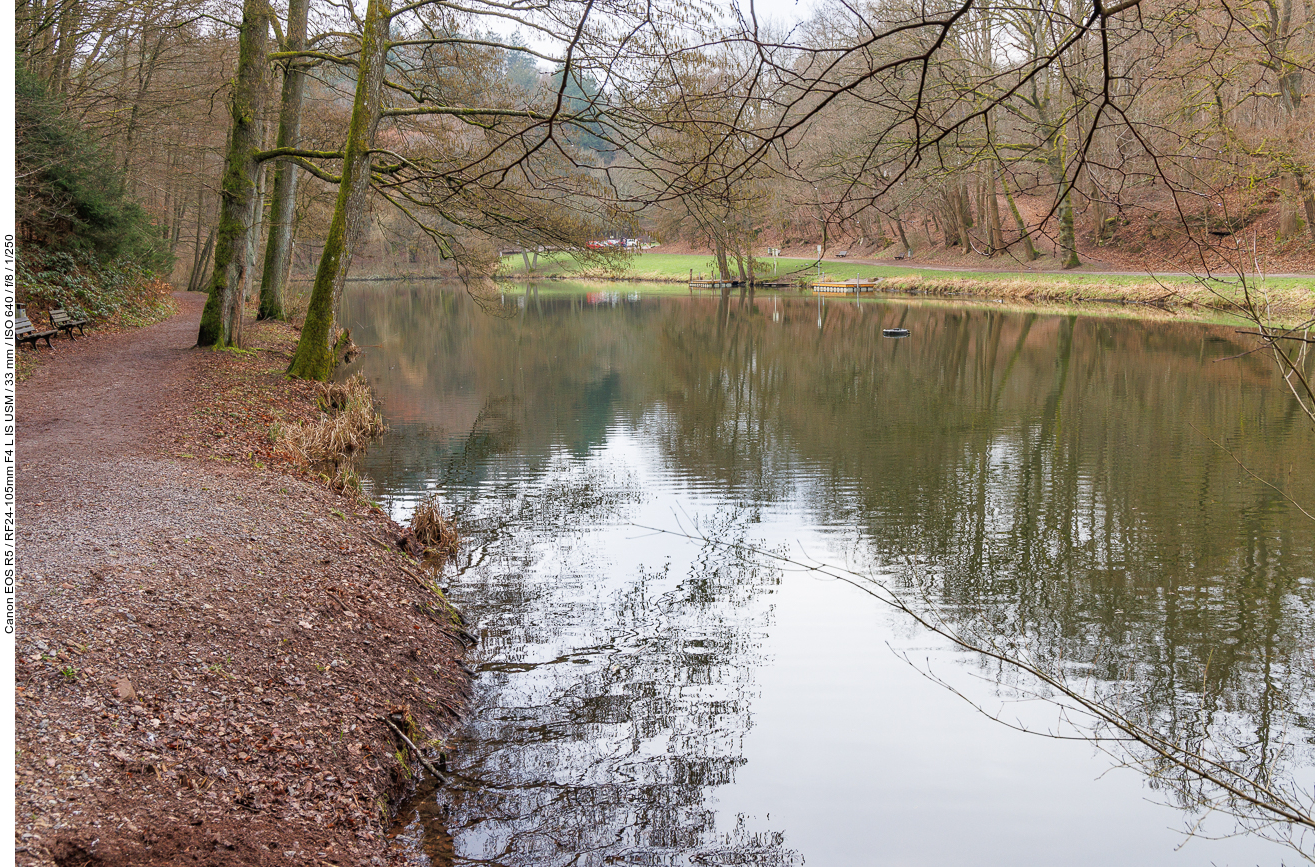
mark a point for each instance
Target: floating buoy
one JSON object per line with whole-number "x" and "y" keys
{"x": 894, "y": 332}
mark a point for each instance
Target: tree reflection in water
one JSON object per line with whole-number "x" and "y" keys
{"x": 1042, "y": 471}
{"x": 600, "y": 738}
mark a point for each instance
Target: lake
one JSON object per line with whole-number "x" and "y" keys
{"x": 685, "y": 521}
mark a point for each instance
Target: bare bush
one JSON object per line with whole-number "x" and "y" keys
{"x": 436, "y": 534}
{"x": 350, "y": 420}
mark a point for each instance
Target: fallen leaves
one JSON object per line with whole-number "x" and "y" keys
{"x": 207, "y": 696}
{"x": 124, "y": 689}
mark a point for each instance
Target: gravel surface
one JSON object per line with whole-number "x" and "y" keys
{"x": 206, "y": 641}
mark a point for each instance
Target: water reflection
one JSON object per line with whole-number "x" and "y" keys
{"x": 1042, "y": 480}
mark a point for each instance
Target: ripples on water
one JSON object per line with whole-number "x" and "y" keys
{"x": 1034, "y": 479}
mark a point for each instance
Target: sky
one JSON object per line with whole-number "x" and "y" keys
{"x": 780, "y": 12}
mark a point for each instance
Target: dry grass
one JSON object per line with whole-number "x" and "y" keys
{"x": 437, "y": 534}
{"x": 348, "y": 422}
{"x": 1037, "y": 290}
{"x": 1285, "y": 301}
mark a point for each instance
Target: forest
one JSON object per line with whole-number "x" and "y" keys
{"x": 250, "y": 142}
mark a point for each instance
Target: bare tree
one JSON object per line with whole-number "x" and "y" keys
{"x": 278, "y": 251}
{"x": 221, "y": 321}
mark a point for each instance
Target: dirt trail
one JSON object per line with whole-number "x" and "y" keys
{"x": 204, "y": 649}
{"x": 103, "y": 398}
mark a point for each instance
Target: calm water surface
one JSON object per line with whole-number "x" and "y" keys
{"x": 1035, "y": 479}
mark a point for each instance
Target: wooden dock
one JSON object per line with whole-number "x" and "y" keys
{"x": 736, "y": 284}
{"x": 856, "y": 286}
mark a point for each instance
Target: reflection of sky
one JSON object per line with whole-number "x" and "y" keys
{"x": 843, "y": 746}
{"x": 642, "y": 699}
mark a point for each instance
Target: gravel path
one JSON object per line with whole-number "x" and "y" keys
{"x": 205, "y": 649}
{"x": 94, "y": 402}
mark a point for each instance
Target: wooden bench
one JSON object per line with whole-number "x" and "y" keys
{"x": 64, "y": 321}
{"x": 26, "y": 332}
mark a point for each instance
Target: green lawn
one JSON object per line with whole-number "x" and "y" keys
{"x": 677, "y": 266}
{"x": 1288, "y": 297}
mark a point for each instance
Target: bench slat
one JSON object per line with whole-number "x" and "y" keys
{"x": 26, "y": 332}
{"x": 62, "y": 320}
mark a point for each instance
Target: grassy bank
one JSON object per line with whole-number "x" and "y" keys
{"x": 1286, "y": 298}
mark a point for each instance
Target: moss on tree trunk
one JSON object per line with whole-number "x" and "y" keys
{"x": 278, "y": 251}
{"x": 221, "y": 320}
{"x": 1068, "y": 243}
{"x": 314, "y": 357}
{"x": 1029, "y": 251}
{"x": 1067, "y": 235}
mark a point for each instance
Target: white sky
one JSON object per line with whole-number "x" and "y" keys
{"x": 783, "y": 13}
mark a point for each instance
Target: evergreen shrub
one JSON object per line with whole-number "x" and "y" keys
{"x": 70, "y": 195}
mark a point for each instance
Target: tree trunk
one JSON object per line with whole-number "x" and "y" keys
{"x": 314, "y": 357}
{"x": 145, "y": 70}
{"x": 943, "y": 218}
{"x": 253, "y": 245}
{"x": 1068, "y": 252}
{"x": 963, "y": 218}
{"x": 1030, "y": 253}
{"x": 1288, "y": 221}
{"x": 1068, "y": 243}
{"x": 723, "y": 265}
{"x": 1309, "y": 202}
{"x": 166, "y": 225}
{"x": 935, "y": 221}
{"x": 202, "y": 259}
{"x": 899, "y": 230}
{"x": 1290, "y": 89}
{"x": 196, "y": 245}
{"x": 220, "y": 320}
{"x": 993, "y": 218}
{"x": 68, "y": 27}
{"x": 1067, "y": 238}
{"x": 278, "y": 252}
{"x": 179, "y": 208}
{"x": 200, "y": 219}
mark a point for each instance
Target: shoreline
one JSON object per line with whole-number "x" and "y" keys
{"x": 1286, "y": 305}
{"x": 209, "y": 641}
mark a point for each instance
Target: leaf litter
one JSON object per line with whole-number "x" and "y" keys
{"x": 206, "y": 652}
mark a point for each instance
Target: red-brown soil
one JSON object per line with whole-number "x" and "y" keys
{"x": 207, "y": 640}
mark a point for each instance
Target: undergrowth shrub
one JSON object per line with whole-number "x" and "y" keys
{"x": 118, "y": 292}
{"x": 69, "y": 191}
